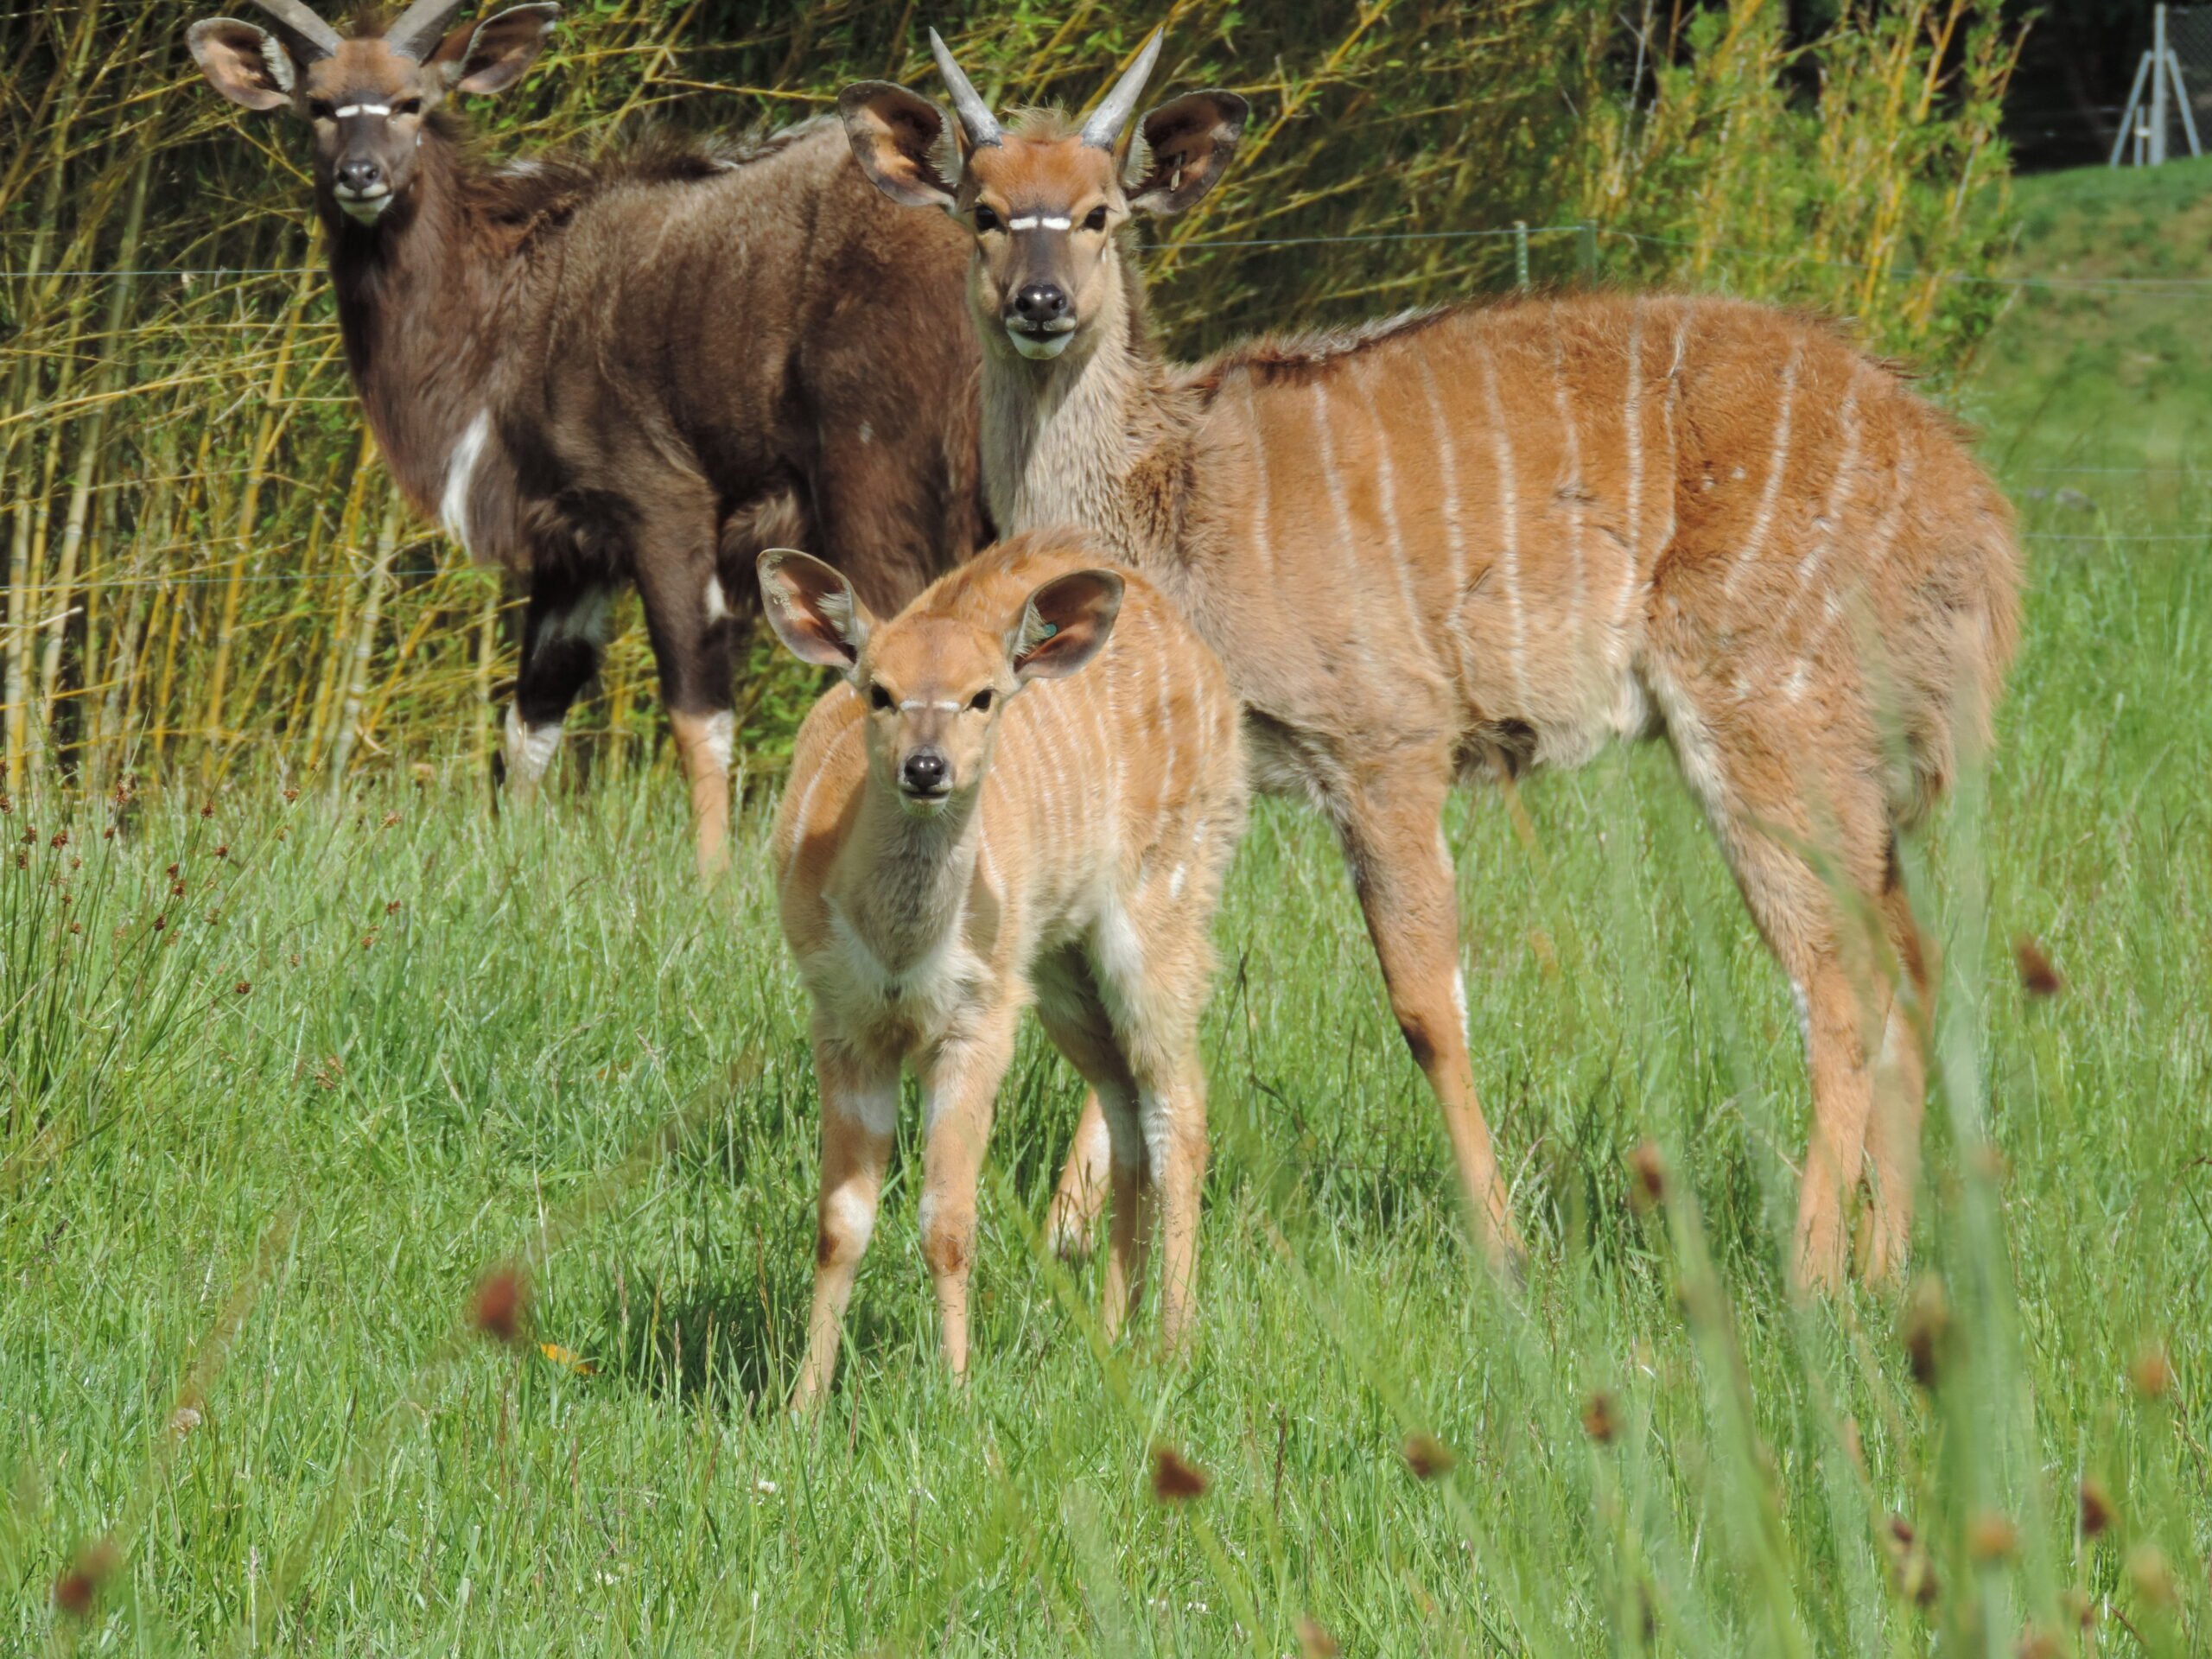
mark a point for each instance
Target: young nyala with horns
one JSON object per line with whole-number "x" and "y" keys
{"x": 1024, "y": 791}
{"x": 1484, "y": 538}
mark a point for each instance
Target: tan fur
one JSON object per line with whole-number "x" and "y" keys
{"x": 1501, "y": 536}
{"x": 1075, "y": 868}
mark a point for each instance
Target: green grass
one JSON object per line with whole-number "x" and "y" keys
{"x": 466, "y": 1041}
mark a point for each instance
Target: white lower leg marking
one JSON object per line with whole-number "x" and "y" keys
{"x": 529, "y": 748}
{"x": 850, "y": 1211}
{"x": 720, "y": 739}
{"x": 717, "y": 601}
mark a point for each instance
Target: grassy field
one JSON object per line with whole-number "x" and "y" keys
{"x": 284, "y": 1083}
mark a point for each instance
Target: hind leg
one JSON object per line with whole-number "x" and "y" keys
{"x": 1081, "y": 1193}
{"x": 1900, "y": 1090}
{"x": 1069, "y": 1009}
{"x": 1784, "y": 797}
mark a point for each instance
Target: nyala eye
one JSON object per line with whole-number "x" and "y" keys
{"x": 1096, "y": 219}
{"x": 985, "y": 218}
{"x": 318, "y": 110}
{"x": 408, "y": 106}
{"x": 878, "y": 698}
{"x": 981, "y": 701}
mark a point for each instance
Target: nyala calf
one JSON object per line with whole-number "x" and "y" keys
{"x": 1024, "y": 791}
{"x": 1489, "y": 537}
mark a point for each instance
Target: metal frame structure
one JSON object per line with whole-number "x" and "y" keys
{"x": 2144, "y": 125}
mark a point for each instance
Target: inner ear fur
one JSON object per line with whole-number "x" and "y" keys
{"x": 248, "y": 66}
{"x": 492, "y": 55}
{"x": 812, "y": 609}
{"x": 1187, "y": 145}
{"x": 1064, "y": 623}
{"x": 903, "y": 142}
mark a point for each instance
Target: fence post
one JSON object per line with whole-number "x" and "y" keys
{"x": 1586, "y": 252}
{"x": 2158, "y": 86}
{"x": 1520, "y": 254}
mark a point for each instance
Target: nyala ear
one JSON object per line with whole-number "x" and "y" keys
{"x": 813, "y": 610}
{"x": 1064, "y": 623}
{"x": 1188, "y": 143}
{"x": 903, "y": 142}
{"x": 246, "y": 65}
{"x": 491, "y": 56}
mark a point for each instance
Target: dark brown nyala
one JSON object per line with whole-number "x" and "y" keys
{"x": 645, "y": 371}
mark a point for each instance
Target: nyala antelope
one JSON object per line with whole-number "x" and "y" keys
{"x": 645, "y": 371}
{"x": 1494, "y": 537}
{"x": 972, "y": 826}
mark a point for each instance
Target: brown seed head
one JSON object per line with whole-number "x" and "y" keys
{"x": 2152, "y": 1373}
{"x": 1648, "y": 1170}
{"x": 184, "y": 1419}
{"x": 1599, "y": 1420}
{"x": 223, "y": 851}
{"x": 501, "y": 1305}
{"x": 392, "y": 820}
{"x": 2037, "y": 977}
{"x": 1313, "y": 1642}
{"x": 2097, "y": 1512}
{"x": 1174, "y": 1481}
{"x": 291, "y": 795}
{"x": 1428, "y": 1457}
{"x": 1913, "y": 1573}
{"x": 75, "y": 1591}
{"x": 1992, "y": 1537}
{"x": 243, "y": 987}
{"x": 1926, "y": 1327}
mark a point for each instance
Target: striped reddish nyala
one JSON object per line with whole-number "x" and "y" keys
{"x": 1491, "y": 537}
{"x": 1025, "y": 790}
{"x": 644, "y": 371}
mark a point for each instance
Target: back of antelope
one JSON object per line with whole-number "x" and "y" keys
{"x": 972, "y": 826}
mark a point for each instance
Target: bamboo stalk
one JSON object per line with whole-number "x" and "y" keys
{"x": 90, "y": 451}
{"x": 364, "y": 645}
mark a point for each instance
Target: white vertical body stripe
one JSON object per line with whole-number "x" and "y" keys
{"x": 1385, "y": 488}
{"x": 1571, "y": 444}
{"x": 1261, "y": 543}
{"x": 1508, "y": 525}
{"x": 1777, "y": 460}
{"x": 1455, "y": 536}
{"x": 1633, "y": 437}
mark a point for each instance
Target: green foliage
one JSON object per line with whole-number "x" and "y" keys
{"x": 204, "y": 561}
{"x": 235, "y": 1343}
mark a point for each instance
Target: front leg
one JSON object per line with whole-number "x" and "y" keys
{"x": 564, "y": 633}
{"x": 961, "y": 1084}
{"x": 860, "y": 1107}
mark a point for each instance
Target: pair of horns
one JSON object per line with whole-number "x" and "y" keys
{"x": 417, "y": 32}
{"x": 1101, "y": 131}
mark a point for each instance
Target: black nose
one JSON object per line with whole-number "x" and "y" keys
{"x": 924, "y": 772}
{"x": 1040, "y": 302}
{"x": 360, "y": 175}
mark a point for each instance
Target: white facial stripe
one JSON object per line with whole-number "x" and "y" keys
{"x": 361, "y": 109}
{"x": 913, "y": 704}
{"x": 1040, "y": 221}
